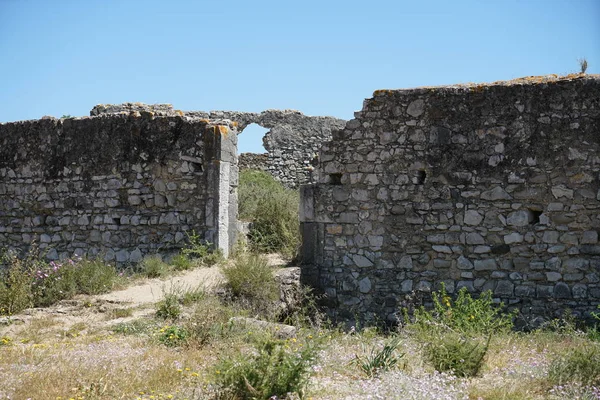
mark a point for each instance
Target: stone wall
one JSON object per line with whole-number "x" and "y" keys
{"x": 254, "y": 161}
{"x": 293, "y": 141}
{"x": 117, "y": 185}
{"x": 478, "y": 186}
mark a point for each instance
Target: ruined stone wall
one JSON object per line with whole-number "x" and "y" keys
{"x": 254, "y": 161}
{"x": 481, "y": 186}
{"x": 119, "y": 185}
{"x": 293, "y": 141}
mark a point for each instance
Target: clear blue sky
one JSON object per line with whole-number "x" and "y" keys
{"x": 320, "y": 57}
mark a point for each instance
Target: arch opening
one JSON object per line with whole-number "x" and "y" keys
{"x": 250, "y": 140}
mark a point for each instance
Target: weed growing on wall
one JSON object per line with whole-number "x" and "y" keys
{"x": 272, "y": 210}
{"x": 201, "y": 251}
{"x": 583, "y": 65}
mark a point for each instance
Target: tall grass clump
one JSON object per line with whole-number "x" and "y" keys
{"x": 250, "y": 278}
{"x": 274, "y": 370}
{"x": 16, "y": 284}
{"x": 152, "y": 266}
{"x": 457, "y": 333}
{"x": 581, "y": 365}
{"x": 209, "y": 321}
{"x": 272, "y": 211}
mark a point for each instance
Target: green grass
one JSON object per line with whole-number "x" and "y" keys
{"x": 273, "y": 212}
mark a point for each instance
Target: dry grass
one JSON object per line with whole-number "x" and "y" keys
{"x": 75, "y": 355}
{"x": 51, "y": 361}
{"x": 109, "y": 368}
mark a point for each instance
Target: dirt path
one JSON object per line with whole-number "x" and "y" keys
{"x": 152, "y": 290}
{"x": 103, "y": 311}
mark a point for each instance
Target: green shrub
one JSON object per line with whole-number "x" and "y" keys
{"x": 181, "y": 262}
{"x": 61, "y": 280}
{"x": 172, "y": 335}
{"x": 580, "y": 365}
{"x": 594, "y": 332}
{"x": 202, "y": 251}
{"x": 153, "y": 267}
{"x": 379, "y": 360}
{"x": 251, "y": 278}
{"x": 461, "y": 355}
{"x": 275, "y": 369}
{"x": 273, "y": 211}
{"x": 464, "y": 314}
{"x": 169, "y": 307}
{"x": 30, "y": 281}
{"x": 95, "y": 276}
{"x": 254, "y": 186}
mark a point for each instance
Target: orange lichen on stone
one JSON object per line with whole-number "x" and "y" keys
{"x": 179, "y": 112}
{"x": 334, "y": 229}
{"x": 222, "y": 129}
{"x": 382, "y": 92}
{"x": 478, "y": 87}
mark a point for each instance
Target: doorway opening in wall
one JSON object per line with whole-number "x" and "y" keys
{"x": 268, "y": 210}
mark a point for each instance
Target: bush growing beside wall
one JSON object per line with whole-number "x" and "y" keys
{"x": 272, "y": 210}
{"x": 30, "y": 282}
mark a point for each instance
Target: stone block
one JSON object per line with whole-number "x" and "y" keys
{"x": 504, "y": 289}
{"x": 589, "y": 237}
{"x": 514, "y": 237}
{"x": 519, "y": 218}
{"x": 562, "y": 291}
{"x": 472, "y": 217}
